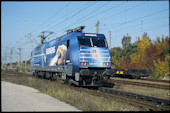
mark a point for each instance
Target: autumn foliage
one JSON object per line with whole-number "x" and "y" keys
{"x": 144, "y": 54}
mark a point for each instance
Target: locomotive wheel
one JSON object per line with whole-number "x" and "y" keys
{"x": 33, "y": 73}
{"x": 52, "y": 77}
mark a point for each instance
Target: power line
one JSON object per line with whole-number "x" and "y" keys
{"x": 121, "y": 12}
{"x": 87, "y": 15}
{"x": 110, "y": 40}
{"x": 60, "y": 22}
{"x": 58, "y": 12}
{"x": 140, "y": 4}
{"x": 48, "y": 19}
{"x": 94, "y": 15}
{"x": 150, "y": 29}
{"x": 93, "y": 11}
{"x": 67, "y": 17}
{"x": 138, "y": 18}
{"x": 107, "y": 10}
{"x": 71, "y": 16}
{"x": 144, "y": 22}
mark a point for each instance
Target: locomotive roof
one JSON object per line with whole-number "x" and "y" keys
{"x": 66, "y": 36}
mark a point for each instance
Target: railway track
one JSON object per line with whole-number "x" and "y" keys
{"x": 150, "y": 85}
{"x": 146, "y": 102}
{"x": 153, "y": 80}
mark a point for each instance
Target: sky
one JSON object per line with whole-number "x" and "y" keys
{"x": 22, "y": 22}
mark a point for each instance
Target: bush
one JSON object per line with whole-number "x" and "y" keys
{"x": 161, "y": 67}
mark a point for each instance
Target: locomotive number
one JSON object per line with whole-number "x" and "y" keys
{"x": 50, "y": 50}
{"x": 95, "y": 56}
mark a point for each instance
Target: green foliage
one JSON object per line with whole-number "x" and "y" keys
{"x": 129, "y": 50}
{"x": 126, "y": 41}
{"x": 161, "y": 67}
{"x": 118, "y": 61}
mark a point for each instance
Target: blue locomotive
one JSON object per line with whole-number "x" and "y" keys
{"x": 78, "y": 58}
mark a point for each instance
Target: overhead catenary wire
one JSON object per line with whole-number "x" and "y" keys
{"x": 138, "y": 18}
{"x": 49, "y": 19}
{"x": 55, "y": 14}
{"x": 64, "y": 16}
{"x": 71, "y": 16}
{"x": 150, "y": 29}
{"x": 121, "y": 12}
{"x": 143, "y": 23}
{"x": 93, "y": 16}
{"x": 118, "y": 13}
{"x": 137, "y": 25}
{"x": 78, "y": 20}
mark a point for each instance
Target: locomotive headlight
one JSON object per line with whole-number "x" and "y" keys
{"x": 84, "y": 63}
{"x": 106, "y": 63}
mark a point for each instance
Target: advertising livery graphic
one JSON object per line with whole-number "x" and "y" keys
{"x": 59, "y": 57}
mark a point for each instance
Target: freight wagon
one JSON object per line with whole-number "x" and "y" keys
{"x": 131, "y": 73}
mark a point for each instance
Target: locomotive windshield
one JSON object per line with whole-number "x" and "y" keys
{"x": 99, "y": 42}
{"x": 92, "y": 42}
{"x": 84, "y": 42}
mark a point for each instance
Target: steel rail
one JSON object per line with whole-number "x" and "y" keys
{"x": 154, "y": 80}
{"x": 142, "y": 100}
{"x": 150, "y": 85}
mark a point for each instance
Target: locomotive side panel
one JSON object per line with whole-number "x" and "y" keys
{"x": 51, "y": 57}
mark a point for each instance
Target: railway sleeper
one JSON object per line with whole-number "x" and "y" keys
{"x": 152, "y": 101}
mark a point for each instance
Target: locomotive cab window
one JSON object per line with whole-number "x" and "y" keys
{"x": 99, "y": 42}
{"x": 92, "y": 42}
{"x": 84, "y": 42}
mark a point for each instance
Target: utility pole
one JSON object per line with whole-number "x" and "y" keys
{"x": 5, "y": 58}
{"x": 141, "y": 28}
{"x": 97, "y": 27}
{"x": 25, "y": 64}
{"x": 11, "y": 57}
{"x": 110, "y": 40}
{"x": 19, "y": 58}
{"x": 27, "y": 39}
{"x": 26, "y": 27}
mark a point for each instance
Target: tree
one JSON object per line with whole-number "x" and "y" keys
{"x": 132, "y": 48}
{"x": 138, "y": 59}
{"x": 161, "y": 67}
{"x": 126, "y": 41}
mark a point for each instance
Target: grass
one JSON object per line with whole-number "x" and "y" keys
{"x": 63, "y": 92}
{"x": 160, "y": 93}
